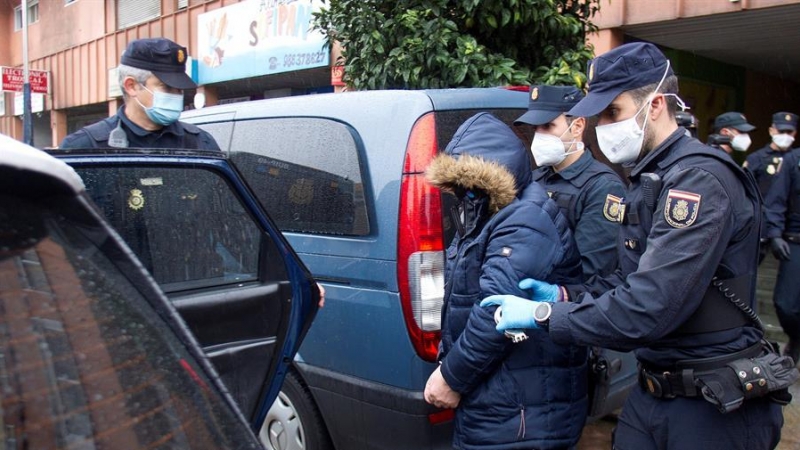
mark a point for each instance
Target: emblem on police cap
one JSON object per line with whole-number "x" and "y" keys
{"x": 535, "y": 93}
{"x": 136, "y": 200}
{"x": 612, "y": 210}
{"x": 681, "y": 208}
{"x": 788, "y": 118}
{"x": 180, "y": 56}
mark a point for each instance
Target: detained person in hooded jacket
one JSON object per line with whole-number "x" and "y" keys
{"x": 507, "y": 395}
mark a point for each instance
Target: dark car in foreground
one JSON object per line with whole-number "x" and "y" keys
{"x": 94, "y": 355}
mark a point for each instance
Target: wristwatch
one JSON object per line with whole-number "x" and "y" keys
{"x": 542, "y": 314}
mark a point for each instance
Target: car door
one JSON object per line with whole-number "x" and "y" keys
{"x": 238, "y": 285}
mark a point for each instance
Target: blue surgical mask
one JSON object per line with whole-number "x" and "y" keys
{"x": 166, "y": 107}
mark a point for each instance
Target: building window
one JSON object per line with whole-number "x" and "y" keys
{"x": 67, "y": 2}
{"x": 183, "y": 4}
{"x": 33, "y": 14}
{"x": 132, "y": 12}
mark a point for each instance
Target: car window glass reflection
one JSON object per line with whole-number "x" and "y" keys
{"x": 185, "y": 225}
{"x": 85, "y": 361}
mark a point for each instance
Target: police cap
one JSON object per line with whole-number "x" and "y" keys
{"x": 735, "y": 120}
{"x": 548, "y": 102}
{"x": 784, "y": 121}
{"x": 623, "y": 68}
{"x": 166, "y": 59}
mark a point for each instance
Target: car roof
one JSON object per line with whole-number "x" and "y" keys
{"x": 19, "y": 156}
{"x": 314, "y": 105}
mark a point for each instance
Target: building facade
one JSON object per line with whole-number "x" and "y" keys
{"x": 239, "y": 50}
{"x": 729, "y": 55}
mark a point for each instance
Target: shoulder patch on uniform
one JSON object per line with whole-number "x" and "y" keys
{"x": 612, "y": 208}
{"x": 682, "y": 208}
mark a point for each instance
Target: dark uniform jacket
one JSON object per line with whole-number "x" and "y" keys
{"x": 176, "y": 135}
{"x": 782, "y": 202}
{"x": 704, "y": 223}
{"x": 581, "y": 191}
{"x": 526, "y": 395}
{"x": 765, "y": 163}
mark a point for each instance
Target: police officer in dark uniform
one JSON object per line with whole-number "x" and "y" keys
{"x": 766, "y": 162}
{"x": 688, "y": 121}
{"x": 688, "y": 240}
{"x": 782, "y": 212}
{"x": 733, "y": 132}
{"x": 578, "y": 183}
{"x": 152, "y": 75}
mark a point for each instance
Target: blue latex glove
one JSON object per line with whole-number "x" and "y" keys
{"x": 542, "y": 292}
{"x": 517, "y": 311}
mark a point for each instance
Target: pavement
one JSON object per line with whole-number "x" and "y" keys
{"x": 597, "y": 435}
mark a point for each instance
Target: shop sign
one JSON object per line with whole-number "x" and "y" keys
{"x": 258, "y": 37}
{"x": 37, "y": 103}
{"x": 14, "y": 77}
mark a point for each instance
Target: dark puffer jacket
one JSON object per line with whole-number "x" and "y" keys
{"x": 531, "y": 394}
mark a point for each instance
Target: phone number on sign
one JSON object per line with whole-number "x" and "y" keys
{"x": 303, "y": 59}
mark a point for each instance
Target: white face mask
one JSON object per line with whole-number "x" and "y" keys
{"x": 741, "y": 142}
{"x": 782, "y": 141}
{"x": 548, "y": 150}
{"x": 621, "y": 142}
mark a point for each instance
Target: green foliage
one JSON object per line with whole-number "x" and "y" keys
{"x": 414, "y": 44}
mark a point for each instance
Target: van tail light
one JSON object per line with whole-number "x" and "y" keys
{"x": 420, "y": 247}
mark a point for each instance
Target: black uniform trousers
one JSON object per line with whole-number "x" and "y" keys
{"x": 695, "y": 424}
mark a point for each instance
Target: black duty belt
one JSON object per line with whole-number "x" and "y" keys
{"x": 792, "y": 237}
{"x": 680, "y": 381}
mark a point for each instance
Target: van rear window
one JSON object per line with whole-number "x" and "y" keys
{"x": 305, "y": 171}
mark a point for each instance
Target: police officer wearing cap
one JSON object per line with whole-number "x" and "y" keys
{"x": 782, "y": 212}
{"x": 734, "y": 131}
{"x": 766, "y": 162}
{"x": 688, "y": 236}
{"x": 581, "y": 186}
{"x": 152, "y": 75}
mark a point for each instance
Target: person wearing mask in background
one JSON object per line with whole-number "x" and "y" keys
{"x": 766, "y": 163}
{"x": 782, "y": 212}
{"x": 506, "y": 393}
{"x": 688, "y": 121}
{"x": 585, "y": 189}
{"x": 152, "y": 76}
{"x": 689, "y": 237}
{"x": 733, "y": 126}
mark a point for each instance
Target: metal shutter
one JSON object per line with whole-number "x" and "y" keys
{"x": 183, "y": 4}
{"x": 131, "y": 12}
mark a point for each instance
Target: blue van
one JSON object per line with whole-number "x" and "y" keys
{"x": 342, "y": 176}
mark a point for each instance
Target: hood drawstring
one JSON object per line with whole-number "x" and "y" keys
{"x": 521, "y": 431}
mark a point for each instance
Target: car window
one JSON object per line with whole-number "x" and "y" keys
{"x": 185, "y": 224}
{"x": 305, "y": 171}
{"x": 86, "y": 361}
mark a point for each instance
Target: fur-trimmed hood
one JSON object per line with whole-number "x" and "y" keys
{"x": 484, "y": 154}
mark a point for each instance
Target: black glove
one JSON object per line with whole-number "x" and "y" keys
{"x": 780, "y": 249}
